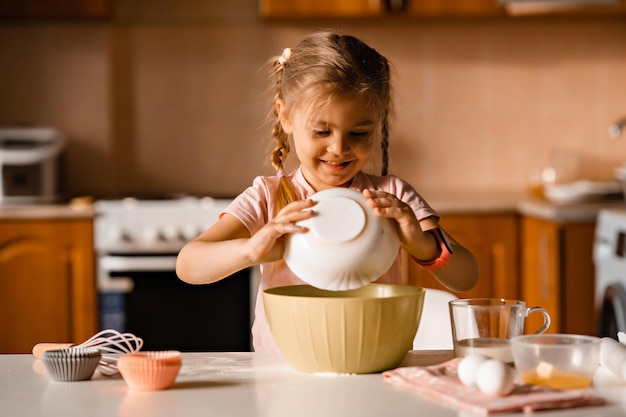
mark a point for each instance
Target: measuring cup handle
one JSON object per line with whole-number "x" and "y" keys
{"x": 546, "y": 318}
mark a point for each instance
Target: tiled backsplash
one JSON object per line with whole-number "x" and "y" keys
{"x": 159, "y": 107}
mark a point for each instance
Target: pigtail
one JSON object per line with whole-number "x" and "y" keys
{"x": 384, "y": 147}
{"x": 285, "y": 193}
{"x": 386, "y": 109}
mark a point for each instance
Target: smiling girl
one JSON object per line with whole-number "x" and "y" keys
{"x": 333, "y": 101}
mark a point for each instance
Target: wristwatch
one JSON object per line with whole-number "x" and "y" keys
{"x": 442, "y": 259}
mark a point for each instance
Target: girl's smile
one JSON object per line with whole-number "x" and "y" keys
{"x": 336, "y": 165}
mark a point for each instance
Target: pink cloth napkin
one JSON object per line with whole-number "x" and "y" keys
{"x": 440, "y": 382}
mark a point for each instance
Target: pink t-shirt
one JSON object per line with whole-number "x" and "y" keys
{"x": 253, "y": 209}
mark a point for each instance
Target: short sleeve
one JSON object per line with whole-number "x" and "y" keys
{"x": 251, "y": 207}
{"x": 401, "y": 189}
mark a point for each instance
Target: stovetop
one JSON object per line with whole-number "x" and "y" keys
{"x": 133, "y": 225}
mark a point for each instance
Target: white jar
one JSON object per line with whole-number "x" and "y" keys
{"x": 347, "y": 245}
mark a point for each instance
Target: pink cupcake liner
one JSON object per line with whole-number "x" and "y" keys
{"x": 150, "y": 371}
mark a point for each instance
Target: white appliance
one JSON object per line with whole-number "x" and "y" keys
{"x": 29, "y": 168}
{"x": 136, "y": 244}
{"x": 610, "y": 266}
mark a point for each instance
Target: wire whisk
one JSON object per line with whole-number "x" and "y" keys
{"x": 109, "y": 342}
{"x": 112, "y": 342}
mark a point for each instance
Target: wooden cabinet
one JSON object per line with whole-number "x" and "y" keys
{"x": 370, "y": 8}
{"x": 565, "y": 8}
{"x": 429, "y": 8}
{"x": 321, "y": 8}
{"x": 545, "y": 263}
{"x": 558, "y": 273}
{"x": 434, "y": 8}
{"x": 47, "y": 284}
{"x": 492, "y": 238}
{"x": 53, "y": 9}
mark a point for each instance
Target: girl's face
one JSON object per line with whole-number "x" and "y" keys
{"x": 337, "y": 143}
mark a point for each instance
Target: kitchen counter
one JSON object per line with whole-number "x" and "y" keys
{"x": 585, "y": 211}
{"x": 449, "y": 202}
{"x": 235, "y": 384}
{"x": 46, "y": 211}
{"x": 471, "y": 202}
{"x": 444, "y": 202}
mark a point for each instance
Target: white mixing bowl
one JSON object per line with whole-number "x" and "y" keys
{"x": 347, "y": 245}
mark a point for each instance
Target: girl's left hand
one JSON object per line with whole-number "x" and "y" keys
{"x": 414, "y": 240}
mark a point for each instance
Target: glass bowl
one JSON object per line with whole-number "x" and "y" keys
{"x": 560, "y": 361}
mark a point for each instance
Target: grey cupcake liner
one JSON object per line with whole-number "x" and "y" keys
{"x": 71, "y": 364}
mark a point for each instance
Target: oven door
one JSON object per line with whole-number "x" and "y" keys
{"x": 143, "y": 295}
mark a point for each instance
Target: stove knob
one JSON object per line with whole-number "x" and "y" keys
{"x": 118, "y": 235}
{"x": 189, "y": 232}
{"x": 169, "y": 233}
{"x": 149, "y": 234}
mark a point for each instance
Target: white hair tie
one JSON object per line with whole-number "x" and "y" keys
{"x": 285, "y": 56}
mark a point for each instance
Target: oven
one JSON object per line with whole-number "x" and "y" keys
{"x": 136, "y": 243}
{"x": 610, "y": 267}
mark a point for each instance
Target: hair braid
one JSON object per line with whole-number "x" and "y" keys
{"x": 285, "y": 193}
{"x": 384, "y": 147}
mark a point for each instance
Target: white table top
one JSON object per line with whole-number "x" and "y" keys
{"x": 234, "y": 384}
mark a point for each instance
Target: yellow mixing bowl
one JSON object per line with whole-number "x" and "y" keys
{"x": 365, "y": 330}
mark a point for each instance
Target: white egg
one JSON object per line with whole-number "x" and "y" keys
{"x": 468, "y": 369}
{"x": 495, "y": 378}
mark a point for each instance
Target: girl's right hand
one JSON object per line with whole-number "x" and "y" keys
{"x": 268, "y": 244}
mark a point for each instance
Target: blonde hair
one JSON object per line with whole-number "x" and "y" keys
{"x": 323, "y": 66}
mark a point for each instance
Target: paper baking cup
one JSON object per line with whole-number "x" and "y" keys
{"x": 150, "y": 371}
{"x": 71, "y": 364}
